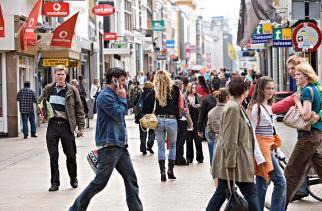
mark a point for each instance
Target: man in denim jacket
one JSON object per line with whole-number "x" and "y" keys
{"x": 111, "y": 139}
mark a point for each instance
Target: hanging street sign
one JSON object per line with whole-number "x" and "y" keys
{"x": 103, "y": 10}
{"x": 169, "y": 44}
{"x": 262, "y": 34}
{"x": 55, "y": 9}
{"x": 306, "y": 37}
{"x": 110, "y": 36}
{"x": 282, "y": 37}
{"x": 158, "y": 25}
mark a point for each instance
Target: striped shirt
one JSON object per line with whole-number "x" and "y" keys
{"x": 265, "y": 126}
{"x": 57, "y": 101}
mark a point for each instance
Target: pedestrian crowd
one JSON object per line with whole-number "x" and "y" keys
{"x": 233, "y": 112}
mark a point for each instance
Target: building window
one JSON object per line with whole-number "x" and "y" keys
{"x": 128, "y": 15}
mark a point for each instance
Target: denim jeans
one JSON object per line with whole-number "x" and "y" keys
{"x": 220, "y": 195}
{"x": 166, "y": 127}
{"x": 279, "y": 192}
{"x": 108, "y": 159}
{"x": 211, "y": 144}
{"x": 31, "y": 117}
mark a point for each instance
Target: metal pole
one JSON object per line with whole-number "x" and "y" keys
{"x": 306, "y": 10}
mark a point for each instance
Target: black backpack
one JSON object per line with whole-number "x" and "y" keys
{"x": 138, "y": 107}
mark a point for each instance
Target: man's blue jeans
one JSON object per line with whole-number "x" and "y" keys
{"x": 220, "y": 195}
{"x": 31, "y": 117}
{"x": 108, "y": 159}
{"x": 279, "y": 192}
{"x": 211, "y": 144}
{"x": 166, "y": 127}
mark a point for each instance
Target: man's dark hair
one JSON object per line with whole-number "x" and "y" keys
{"x": 115, "y": 72}
{"x": 80, "y": 77}
{"x": 237, "y": 87}
{"x": 26, "y": 84}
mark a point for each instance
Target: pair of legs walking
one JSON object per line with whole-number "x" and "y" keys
{"x": 110, "y": 158}
{"x": 220, "y": 195}
{"x": 306, "y": 151}
{"x": 181, "y": 139}
{"x": 192, "y": 136}
{"x": 279, "y": 192}
{"x": 166, "y": 127}
{"x": 60, "y": 130}
{"x": 150, "y": 134}
{"x": 25, "y": 130}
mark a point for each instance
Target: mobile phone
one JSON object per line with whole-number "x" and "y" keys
{"x": 115, "y": 81}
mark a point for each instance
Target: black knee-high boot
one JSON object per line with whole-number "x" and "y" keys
{"x": 170, "y": 169}
{"x": 162, "y": 170}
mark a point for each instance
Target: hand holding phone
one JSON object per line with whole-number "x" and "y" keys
{"x": 120, "y": 91}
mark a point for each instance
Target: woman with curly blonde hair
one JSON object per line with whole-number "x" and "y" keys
{"x": 167, "y": 112}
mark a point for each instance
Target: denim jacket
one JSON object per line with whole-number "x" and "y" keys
{"x": 110, "y": 127}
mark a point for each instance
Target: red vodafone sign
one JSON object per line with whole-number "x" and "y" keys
{"x": 307, "y": 37}
{"x": 1, "y": 23}
{"x": 103, "y": 10}
{"x": 55, "y": 9}
{"x": 110, "y": 36}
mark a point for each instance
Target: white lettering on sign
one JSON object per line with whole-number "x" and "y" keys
{"x": 258, "y": 28}
{"x": 278, "y": 33}
{"x": 104, "y": 10}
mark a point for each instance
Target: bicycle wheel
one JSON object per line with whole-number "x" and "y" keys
{"x": 314, "y": 187}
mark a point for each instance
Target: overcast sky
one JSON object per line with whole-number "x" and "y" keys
{"x": 210, "y": 8}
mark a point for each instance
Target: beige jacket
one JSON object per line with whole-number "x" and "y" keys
{"x": 74, "y": 108}
{"x": 235, "y": 146}
{"x": 213, "y": 124}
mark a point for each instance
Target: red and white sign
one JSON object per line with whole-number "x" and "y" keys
{"x": 28, "y": 28}
{"x": 1, "y": 23}
{"x": 63, "y": 34}
{"x": 110, "y": 36}
{"x": 55, "y": 9}
{"x": 103, "y": 10}
{"x": 307, "y": 37}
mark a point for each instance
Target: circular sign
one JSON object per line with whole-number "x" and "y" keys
{"x": 56, "y": 7}
{"x": 31, "y": 22}
{"x": 103, "y": 10}
{"x": 306, "y": 37}
{"x": 63, "y": 34}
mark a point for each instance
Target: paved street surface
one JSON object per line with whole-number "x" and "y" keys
{"x": 25, "y": 174}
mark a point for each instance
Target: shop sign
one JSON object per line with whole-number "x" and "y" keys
{"x": 55, "y": 9}
{"x": 74, "y": 63}
{"x": 306, "y": 37}
{"x": 158, "y": 25}
{"x": 103, "y": 10}
{"x": 164, "y": 52}
{"x": 162, "y": 57}
{"x": 1, "y": 23}
{"x": 110, "y": 36}
{"x": 282, "y": 37}
{"x": 55, "y": 62}
{"x": 169, "y": 44}
{"x": 262, "y": 34}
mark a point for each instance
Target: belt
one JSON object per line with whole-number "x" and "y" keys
{"x": 166, "y": 116}
{"x": 59, "y": 121}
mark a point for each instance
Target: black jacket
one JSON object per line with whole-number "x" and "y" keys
{"x": 148, "y": 103}
{"x": 207, "y": 104}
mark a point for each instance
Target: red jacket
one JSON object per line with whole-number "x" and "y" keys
{"x": 202, "y": 92}
{"x": 284, "y": 105}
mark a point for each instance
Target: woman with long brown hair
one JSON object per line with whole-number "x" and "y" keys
{"x": 167, "y": 112}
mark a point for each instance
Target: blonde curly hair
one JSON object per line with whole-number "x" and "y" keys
{"x": 162, "y": 86}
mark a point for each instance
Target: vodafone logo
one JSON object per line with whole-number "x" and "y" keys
{"x": 103, "y": 10}
{"x": 31, "y": 22}
{"x": 63, "y": 34}
{"x": 56, "y": 7}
